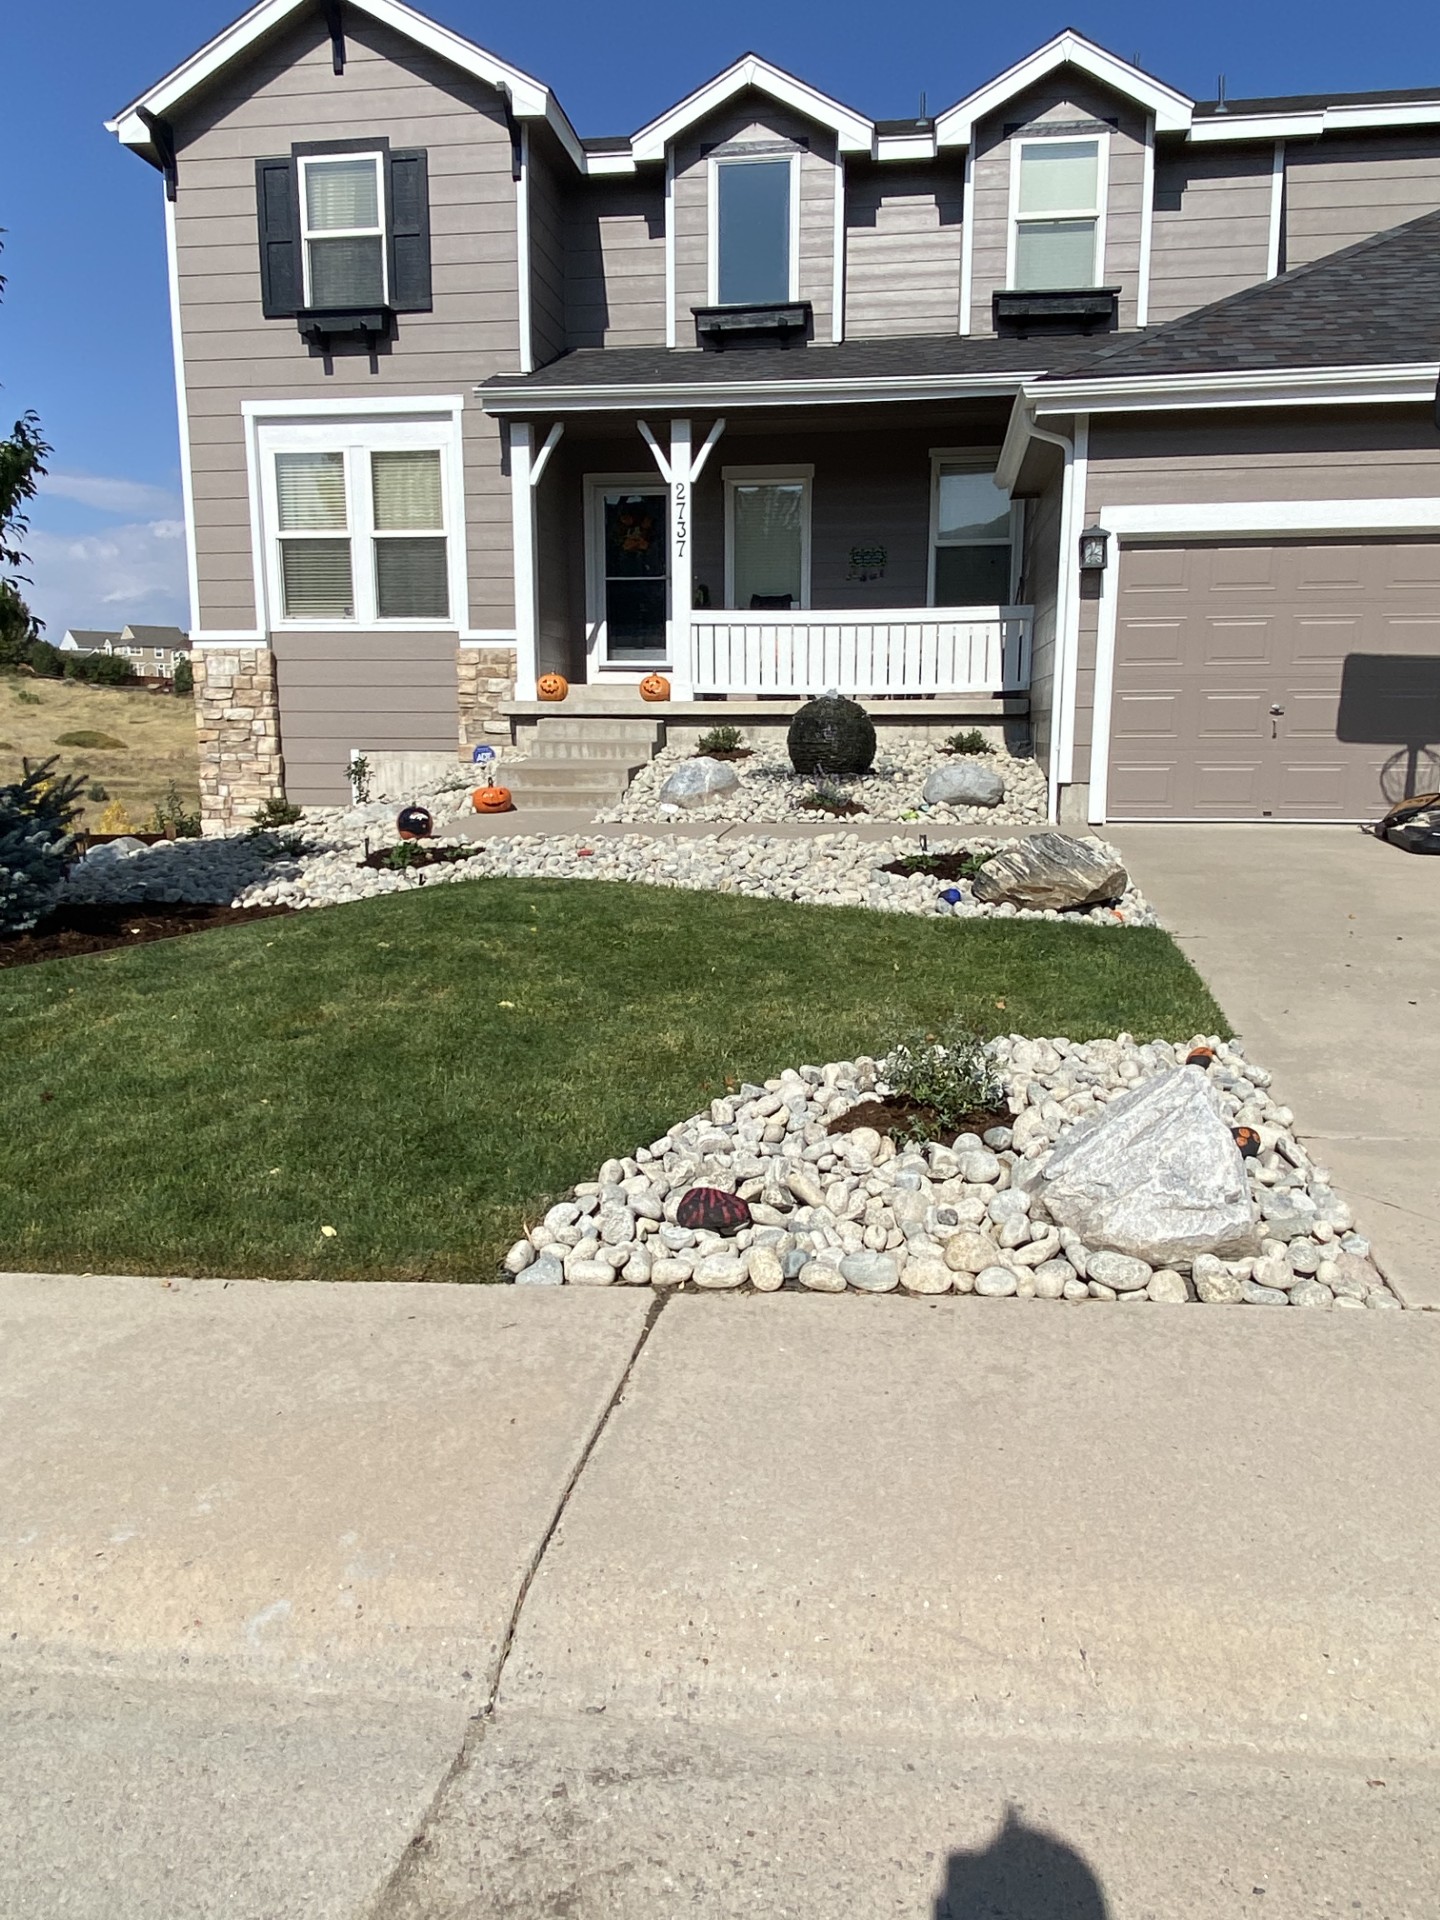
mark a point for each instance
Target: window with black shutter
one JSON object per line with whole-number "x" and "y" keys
{"x": 344, "y": 237}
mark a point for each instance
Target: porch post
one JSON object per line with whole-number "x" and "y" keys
{"x": 682, "y": 663}
{"x": 522, "y": 522}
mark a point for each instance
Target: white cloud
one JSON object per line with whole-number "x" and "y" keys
{"x": 130, "y": 572}
{"x": 108, "y": 494}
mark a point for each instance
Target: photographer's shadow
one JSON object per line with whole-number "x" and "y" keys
{"x": 1024, "y": 1874}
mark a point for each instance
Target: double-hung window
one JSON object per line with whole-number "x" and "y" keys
{"x": 1057, "y": 212}
{"x": 767, "y": 537}
{"x": 342, "y": 212}
{"x": 362, "y": 523}
{"x": 752, "y": 212}
{"x": 974, "y": 537}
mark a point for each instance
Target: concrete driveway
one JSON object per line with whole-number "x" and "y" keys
{"x": 1323, "y": 946}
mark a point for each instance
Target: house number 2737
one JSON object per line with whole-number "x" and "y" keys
{"x": 682, "y": 518}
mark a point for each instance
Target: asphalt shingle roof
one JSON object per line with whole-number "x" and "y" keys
{"x": 1374, "y": 304}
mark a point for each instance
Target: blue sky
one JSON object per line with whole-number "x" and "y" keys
{"x": 84, "y": 329}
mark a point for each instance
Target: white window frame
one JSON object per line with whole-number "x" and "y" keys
{"x": 597, "y": 638}
{"x": 357, "y": 437}
{"x": 971, "y": 460}
{"x": 802, "y": 476}
{"x": 1018, "y": 145}
{"x": 308, "y": 160}
{"x": 715, "y": 162}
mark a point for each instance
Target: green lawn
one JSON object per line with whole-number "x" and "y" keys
{"x": 421, "y": 1072}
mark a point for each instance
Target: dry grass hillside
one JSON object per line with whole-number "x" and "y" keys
{"x": 141, "y": 742}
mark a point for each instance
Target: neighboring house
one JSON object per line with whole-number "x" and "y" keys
{"x": 88, "y": 640}
{"x": 776, "y": 397}
{"x": 152, "y": 651}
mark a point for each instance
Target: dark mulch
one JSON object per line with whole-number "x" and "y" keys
{"x": 409, "y": 853}
{"x": 897, "y": 1113}
{"x": 95, "y": 929}
{"x": 723, "y": 753}
{"x": 939, "y": 866}
{"x": 836, "y": 813}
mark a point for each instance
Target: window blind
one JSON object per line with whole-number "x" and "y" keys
{"x": 767, "y": 533}
{"x": 1061, "y": 176}
{"x": 316, "y": 581}
{"x": 407, "y": 490}
{"x": 311, "y": 492}
{"x": 410, "y": 580}
{"x": 341, "y": 195}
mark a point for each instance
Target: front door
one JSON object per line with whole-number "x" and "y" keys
{"x": 630, "y": 585}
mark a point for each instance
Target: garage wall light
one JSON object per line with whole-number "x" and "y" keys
{"x": 1094, "y": 550}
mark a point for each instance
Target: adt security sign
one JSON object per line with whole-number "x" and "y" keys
{"x": 482, "y": 756}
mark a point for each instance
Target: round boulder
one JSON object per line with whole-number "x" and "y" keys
{"x": 694, "y": 782}
{"x": 964, "y": 783}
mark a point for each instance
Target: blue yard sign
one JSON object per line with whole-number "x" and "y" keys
{"x": 481, "y": 756}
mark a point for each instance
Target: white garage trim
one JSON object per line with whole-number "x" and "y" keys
{"x": 1250, "y": 519}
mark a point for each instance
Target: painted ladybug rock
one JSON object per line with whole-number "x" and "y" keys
{"x": 413, "y": 823}
{"x": 708, "y": 1209}
{"x": 1247, "y": 1140}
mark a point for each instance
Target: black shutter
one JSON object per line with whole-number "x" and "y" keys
{"x": 277, "y": 207}
{"x": 409, "y": 231}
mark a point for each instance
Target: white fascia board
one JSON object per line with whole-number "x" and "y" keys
{"x": 537, "y": 403}
{"x": 1305, "y": 126}
{"x": 905, "y": 146}
{"x": 1015, "y": 445}
{"x": 598, "y": 163}
{"x": 1173, "y": 111}
{"x": 1281, "y": 386}
{"x": 1155, "y": 521}
{"x": 853, "y": 133}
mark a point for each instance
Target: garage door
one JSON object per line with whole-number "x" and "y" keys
{"x": 1285, "y": 681}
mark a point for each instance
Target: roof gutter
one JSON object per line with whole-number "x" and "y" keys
{"x": 1401, "y": 384}
{"x": 523, "y": 398}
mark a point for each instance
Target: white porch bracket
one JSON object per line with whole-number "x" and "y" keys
{"x": 542, "y": 459}
{"x": 679, "y": 470}
{"x": 526, "y": 467}
{"x": 711, "y": 441}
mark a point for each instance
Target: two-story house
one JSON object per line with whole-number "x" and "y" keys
{"x": 1079, "y": 399}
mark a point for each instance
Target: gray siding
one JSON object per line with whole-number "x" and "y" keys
{"x": 615, "y": 262}
{"x": 382, "y": 690}
{"x": 1038, "y": 588}
{"x": 902, "y": 249}
{"x": 547, "y": 246}
{"x": 1211, "y": 232}
{"x": 1067, "y": 97}
{"x": 1346, "y": 187}
{"x": 753, "y": 117}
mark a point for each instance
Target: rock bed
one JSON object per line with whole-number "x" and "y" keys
{"x": 856, "y": 1212}
{"x": 769, "y": 788}
{"x": 831, "y": 869}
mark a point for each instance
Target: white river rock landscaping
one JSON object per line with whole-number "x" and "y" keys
{"x": 828, "y": 869}
{"x": 768, "y": 788}
{"x": 856, "y": 1212}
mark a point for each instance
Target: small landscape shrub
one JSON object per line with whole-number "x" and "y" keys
{"x": 274, "y": 812}
{"x": 172, "y": 814}
{"x": 824, "y": 797}
{"x": 718, "y": 740}
{"x": 184, "y": 681}
{"x": 115, "y": 819}
{"x": 28, "y": 699}
{"x": 88, "y": 737}
{"x": 972, "y": 741}
{"x": 36, "y": 844}
{"x": 360, "y": 780}
{"x": 100, "y": 669}
{"x": 950, "y": 1074}
{"x": 831, "y": 735}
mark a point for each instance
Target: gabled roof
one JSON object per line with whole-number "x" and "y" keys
{"x": 529, "y": 98}
{"x": 1173, "y": 111}
{"x": 853, "y": 132}
{"x": 1376, "y": 304}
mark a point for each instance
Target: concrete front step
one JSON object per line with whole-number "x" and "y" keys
{"x": 642, "y": 734}
{"x": 548, "y": 748}
{"x": 592, "y": 778}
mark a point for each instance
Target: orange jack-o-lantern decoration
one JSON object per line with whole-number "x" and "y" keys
{"x": 492, "y": 800}
{"x": 552, "y": 686}
{"x": 654, "y": 687}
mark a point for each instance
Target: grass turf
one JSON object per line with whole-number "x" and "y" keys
{"x": 423, "y": 1072}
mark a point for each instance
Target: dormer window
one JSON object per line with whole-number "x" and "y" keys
{"x": 342, "y": 204}
{"x": 753, "y": 203}
{"x": 1057, "y": 199}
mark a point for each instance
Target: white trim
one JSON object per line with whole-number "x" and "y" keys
{"x": 1277, "y": 211}
{"x": 800, "y": 474}
{"x": 670, "y": 322}
{"x": 596, "y": 486}
{"x": 967, "y": 242}
{"x": 522, "y": 541}
{"x": 1258, "y": 519}
{"x": 704, "y": 397}
{"x": 1173, "y": 111}
{"x": 1310, "y": 124}
{"x": 853, "y": 133}
{"x": 712, "y": 440}
{"x": 182, "y": 417}
{"x": 662, "y": 460}
{"x": 378, "y": 232}
{"x": 542, "y": 459}
{"x": 1264, "y": 387}
{"x": 713, "y": 165}
{"x": 1070, "y": 562}
{"x": 523, "y": 313}
{"x": 1066, "y": 590}
{"x": 837, "y": 276}
{"x": 1018, "y": 144}
{"x": 231, "y": 637}
{"x": 400, "y": 406}
{"x": 1147, "y": 223}
{"x": 905, "y": 146}
{"x": 478, "y": 638}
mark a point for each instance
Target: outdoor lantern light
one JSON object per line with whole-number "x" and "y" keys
{"x": 1094, "y": 550}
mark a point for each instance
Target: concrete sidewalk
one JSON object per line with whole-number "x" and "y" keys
{"x": 1323, "y": 946}
{"x": 409, "y": 1603}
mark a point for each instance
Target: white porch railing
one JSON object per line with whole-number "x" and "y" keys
{"x": 905, "y": 650}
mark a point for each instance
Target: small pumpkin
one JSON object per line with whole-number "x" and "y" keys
{"x": 654, "y": 687}
{"x": 414, "y": 823}
{"x": 1247, "y": 1140}
{"x": 492, "y": 799}
{"x": 1201, "y": 1057}
{"x": 552, "y": 686}
{"x": 711, "y": 1209}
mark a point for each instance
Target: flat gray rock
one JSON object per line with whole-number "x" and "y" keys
{"x": 964, "y": 783}
{"x": 871, "y": 1272}
{"x": 1155, "y": 1174}
{"x": 1053, "y": 870}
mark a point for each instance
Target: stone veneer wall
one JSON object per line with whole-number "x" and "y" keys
{"x": 484, "y": 676}
{"x": 237, "y": 717}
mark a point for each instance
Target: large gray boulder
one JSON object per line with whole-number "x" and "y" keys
{"x": 1053, "y": 870}
{"x": 1155, "y": 1174}
{"x": 695, "y": 781}
{"x": 965, "y": 783}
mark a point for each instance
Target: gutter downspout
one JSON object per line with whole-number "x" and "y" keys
{"x": 1064, "y": 594}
